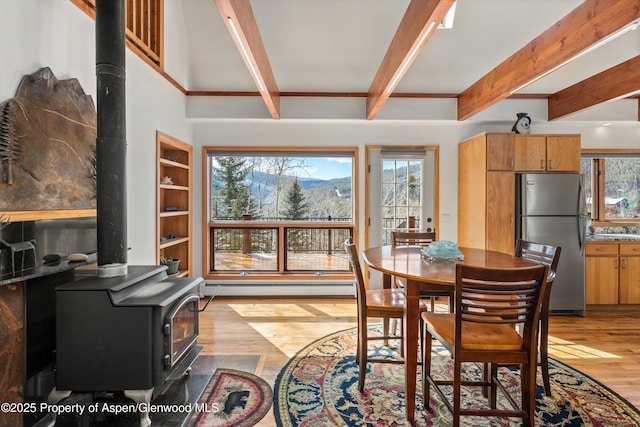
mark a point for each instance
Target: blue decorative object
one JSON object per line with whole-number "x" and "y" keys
{"x": 442, "y": 250}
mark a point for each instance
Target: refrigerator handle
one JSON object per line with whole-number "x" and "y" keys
{"x": 582, "y": 232}
{"x": 582, "y": 199}
{"x": 582, "y": 217}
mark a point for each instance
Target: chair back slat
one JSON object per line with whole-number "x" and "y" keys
{"x": 410, "y": 238}
{"x": 499, "y": 296}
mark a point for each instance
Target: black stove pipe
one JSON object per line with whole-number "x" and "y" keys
{"x": 111, "y": 138}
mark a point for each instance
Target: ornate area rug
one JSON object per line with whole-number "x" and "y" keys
{"x": 319, "y": 387}
{"x": 232, "y": 398}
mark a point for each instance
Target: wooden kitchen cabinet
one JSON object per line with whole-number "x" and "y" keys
{"x": 601, "y": 273}
{"x": 612, "y": 272}
{"x": 500, "y": 212}
{"x": 486, "y": 192}
{"x": 629, "y": 273}
{"x": 500, "y": 151}
{"x": 531, "y": 153}
{"x": 487, "y": 167}
{"x": 547, "y": 153}
{"x": 174, "y": 202}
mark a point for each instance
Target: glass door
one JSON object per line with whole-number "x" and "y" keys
{"x": 401, "y": 195}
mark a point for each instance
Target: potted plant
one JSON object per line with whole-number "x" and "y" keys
{"x": 171, "y": 263}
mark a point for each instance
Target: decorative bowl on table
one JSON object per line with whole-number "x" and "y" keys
{"x": 442, "y": 250}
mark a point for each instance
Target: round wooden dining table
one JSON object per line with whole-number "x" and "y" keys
{"x": 408, "y": 262}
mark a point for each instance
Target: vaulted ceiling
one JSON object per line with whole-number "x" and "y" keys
{"x": 576, "y": 54}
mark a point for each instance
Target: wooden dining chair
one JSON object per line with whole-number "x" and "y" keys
{"x": 482, "y": 330}
{"x": 408, "y": 238}
{"x": 549, "y": 256}
{"x": 379, "y": 303}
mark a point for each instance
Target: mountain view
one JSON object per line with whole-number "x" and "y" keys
{"x": 271, "y": 188}
{"x": 241, "y": 186}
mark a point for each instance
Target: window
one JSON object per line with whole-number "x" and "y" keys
{"x": 279, "y": 211}
{"x": 401, "y": 190}
{"x": 144, "y": 19}
{"x": 401, "y": 196}
{"x": 612, "y": 185}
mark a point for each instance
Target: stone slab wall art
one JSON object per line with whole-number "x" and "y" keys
{"x": 47, "y": 146}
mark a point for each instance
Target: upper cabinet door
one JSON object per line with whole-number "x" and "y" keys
{"x": 530, "y": 153}
{"x": 563, "y": 153}
{"x": 542, "y": 153}
{"x": 500, "y": 151}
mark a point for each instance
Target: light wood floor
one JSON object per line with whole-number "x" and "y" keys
{"x": 604, "y": 344}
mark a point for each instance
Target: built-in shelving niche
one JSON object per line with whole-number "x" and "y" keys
{"x": 174, "y": 222}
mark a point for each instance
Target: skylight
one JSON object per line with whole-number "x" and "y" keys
{"x": 447, "y": 22}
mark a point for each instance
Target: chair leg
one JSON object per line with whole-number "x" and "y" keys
{"x": 427, "y": 341}
{"x": 486, "y": 377}
{"x": 457, "y": 398}
{"x": 544, "y": 349}
{"x": 493, "y": 388}
{"x": 528, "y": 384}
{"x": 358, "y": 346}
{"x": 362, "y": 355}
{"x": 401, "y": 335}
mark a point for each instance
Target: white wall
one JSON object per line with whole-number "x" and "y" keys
{"x": 56, "y": 34}
{"x": 52, "y": 34}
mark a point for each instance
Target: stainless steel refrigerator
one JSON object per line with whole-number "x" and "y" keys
{"x": 551, "y": 209}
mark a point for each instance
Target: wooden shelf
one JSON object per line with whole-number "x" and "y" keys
{"x": 166, "y": 214}
{"x": 174, "y": 159}
{"x": 171, "y": 242}
{"x": 174, "y": 187}
{"x": 166, "y": 162}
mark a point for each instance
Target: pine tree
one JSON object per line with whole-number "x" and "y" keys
{"x": 297, "y": 210}
{"x": 297, "y": 207}
{"x": 231, "y": 198}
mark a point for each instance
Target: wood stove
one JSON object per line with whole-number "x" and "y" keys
{"x": 126, "y": 334}
{"x": 128, "y": 328}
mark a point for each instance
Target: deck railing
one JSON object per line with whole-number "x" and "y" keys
{"x": 279, "y": 246}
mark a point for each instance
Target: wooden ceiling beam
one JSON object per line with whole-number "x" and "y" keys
{"x": 588, "y": 25}
{"x": 241, "y": 23}
{"x": 418, "y": 23}
{"x": 617, "y": 82}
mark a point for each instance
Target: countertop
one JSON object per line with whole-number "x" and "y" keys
{"x": 612, "y": 237}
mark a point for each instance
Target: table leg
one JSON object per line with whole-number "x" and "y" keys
{"x": 411, "y": 324}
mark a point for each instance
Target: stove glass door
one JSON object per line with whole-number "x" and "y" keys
{"x": 184, "y": 326}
